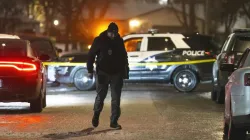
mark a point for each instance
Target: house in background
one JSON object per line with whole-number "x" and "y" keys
{"x": 139, "y": 17}
{"x": 164, "y": 19}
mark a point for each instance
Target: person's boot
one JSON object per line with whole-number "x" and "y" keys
{"x": 114, "y": 124}
{"x": 95, "y": 119}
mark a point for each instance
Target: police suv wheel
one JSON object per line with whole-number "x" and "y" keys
{"x": 213, "y": 92}
{"x": 185, "y": 80}
{"x": 82, "y": 81}
{"x": 220, "y": 93}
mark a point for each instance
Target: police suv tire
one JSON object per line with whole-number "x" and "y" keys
{"x": 213, "y": 92}
{"x": 191, "y": 76}
{"x": 79, "y": 83}
{"x": 36, "y": 105}
{"x": 220, "y": 94}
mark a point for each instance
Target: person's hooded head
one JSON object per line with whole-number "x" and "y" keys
{"x": 112, "y": 30}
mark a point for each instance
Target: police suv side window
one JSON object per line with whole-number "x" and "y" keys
{"x": 133, "y": 44}
{"x": 160, "y": 44}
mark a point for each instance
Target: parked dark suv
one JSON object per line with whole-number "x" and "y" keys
{"x": 231, "y": 52}
{"x": 44, "y": 45}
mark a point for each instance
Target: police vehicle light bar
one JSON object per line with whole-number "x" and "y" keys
{"x": 153, "y": 31}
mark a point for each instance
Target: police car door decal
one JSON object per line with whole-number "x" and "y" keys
{"x": 156, "y": 46}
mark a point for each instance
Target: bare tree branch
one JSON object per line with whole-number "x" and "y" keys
{"x": 176, "y": 12}
{"x": 246, "y": 11}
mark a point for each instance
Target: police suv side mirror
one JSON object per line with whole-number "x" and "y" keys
{"x": 44, "y": 57}
{"x": 227, "y": 67}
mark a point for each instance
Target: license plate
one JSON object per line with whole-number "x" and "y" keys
{"x": 1, "y": 83}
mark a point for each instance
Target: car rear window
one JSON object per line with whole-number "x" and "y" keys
{"x": 12, "y": 48}
{"x": 43, "y": 47}
{"x": 241, "y": 44}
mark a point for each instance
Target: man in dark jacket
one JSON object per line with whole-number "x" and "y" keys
{"x": 111, "y": 69}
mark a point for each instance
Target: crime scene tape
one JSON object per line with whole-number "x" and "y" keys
{"x": 63, "y": 64}
{"x": 134, "y": 64}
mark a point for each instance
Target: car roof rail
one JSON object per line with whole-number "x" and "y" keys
{"x": 241, "y": 30}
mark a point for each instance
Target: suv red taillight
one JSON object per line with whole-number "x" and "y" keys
{"x": 247, "y": 79}
{"x": 229, "y": 59}
{"x": 21, "y": 66}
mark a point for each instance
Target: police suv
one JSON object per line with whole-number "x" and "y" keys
{"x": 183, "y": 60}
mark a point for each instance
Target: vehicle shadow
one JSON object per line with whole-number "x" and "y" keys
{"x": 203, "y": 87}
{"x": 17, "y": 110}
{"x": 84, "y": 132}
{"x": 226, "y": 138}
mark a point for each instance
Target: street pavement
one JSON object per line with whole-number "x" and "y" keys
{"x": 149, "y": 112}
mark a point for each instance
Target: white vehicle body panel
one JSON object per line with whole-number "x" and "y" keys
{"x": 237, "y": 94}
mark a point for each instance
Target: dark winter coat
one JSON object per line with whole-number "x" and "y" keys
{"x": 111, "y": 55}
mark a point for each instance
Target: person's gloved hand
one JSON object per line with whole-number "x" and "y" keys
{"x": 90, "y": 75}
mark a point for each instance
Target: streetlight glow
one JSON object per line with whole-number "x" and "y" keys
{"x": 134, "y": 23}
{"x": 56, "y": 22}
{"x": 89, "y": 46}
{"x": 163, "y": 2}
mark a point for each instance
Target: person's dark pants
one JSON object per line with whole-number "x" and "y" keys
{"x": 103, "y": 81}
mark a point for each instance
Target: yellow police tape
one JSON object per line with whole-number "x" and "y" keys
{"x": 135, "y": 64}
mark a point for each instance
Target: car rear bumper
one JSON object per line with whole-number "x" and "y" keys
{"x": 240, "y": 104}
{"x": 242, "y": 121}
{"x": 20, "y": 96}
{"x": 23, "y": 89}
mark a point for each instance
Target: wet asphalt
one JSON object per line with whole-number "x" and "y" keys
{"x": 149, "y": 112}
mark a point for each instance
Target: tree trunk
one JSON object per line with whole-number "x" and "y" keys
{"x": 68, "y": 34}
{"x": 208, "y": 17}
{"x": 68, "y": 24}
{"x": 246, "y": 10}
{"x": 184, "y": 15}
{"x": 74, "y": 45}
{"x": 192, "y": 17}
